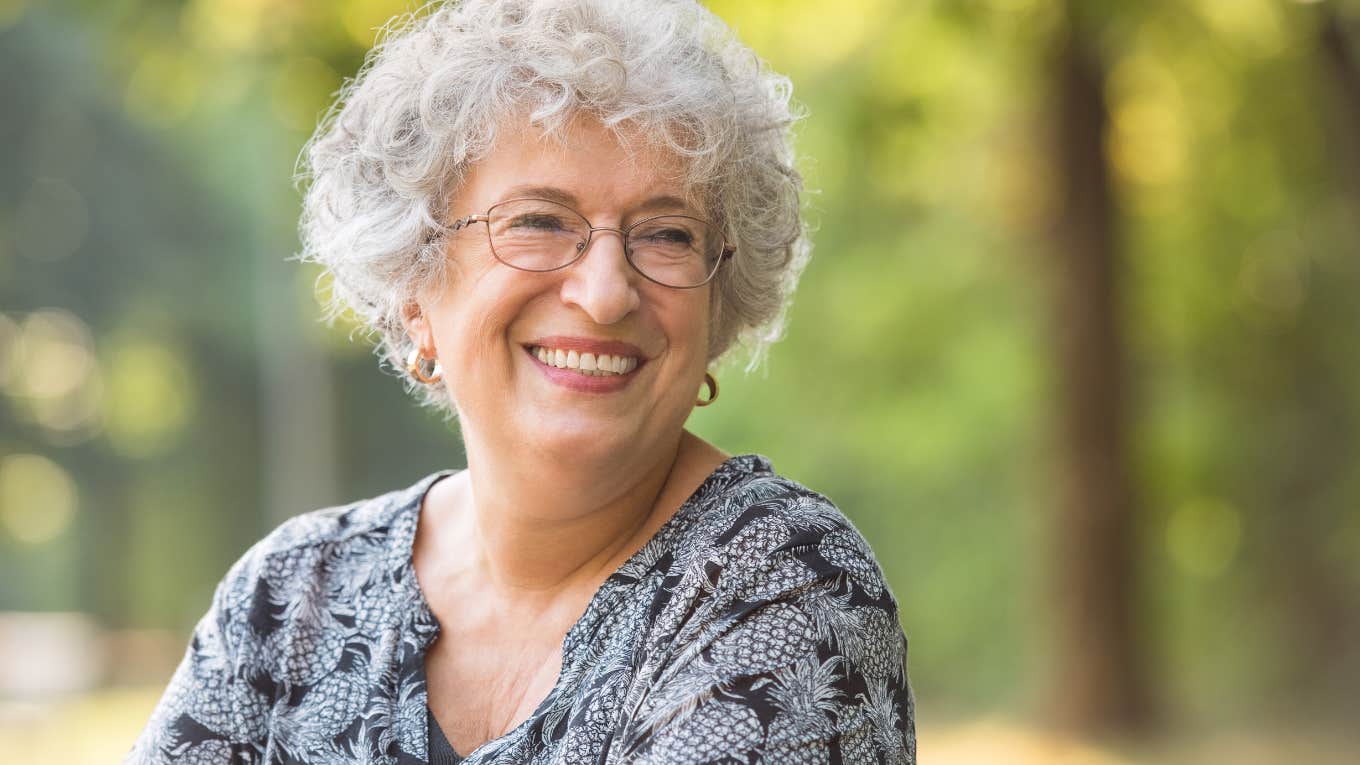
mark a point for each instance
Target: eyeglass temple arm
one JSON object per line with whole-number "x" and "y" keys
{"x": 458, "y": 224}
{"x": 461, "y": 222}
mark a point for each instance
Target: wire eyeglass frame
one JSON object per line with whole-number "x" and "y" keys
{"x": 725, "y": 252}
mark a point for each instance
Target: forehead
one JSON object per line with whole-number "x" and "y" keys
{"x": 594, "y": 168}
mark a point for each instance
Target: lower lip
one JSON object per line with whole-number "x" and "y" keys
{"x": 583, "y": 383}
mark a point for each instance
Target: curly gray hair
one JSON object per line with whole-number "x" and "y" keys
{"x": 426, "y": 105}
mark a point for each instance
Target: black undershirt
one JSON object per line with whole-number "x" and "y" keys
{"x": 441, "y": 751}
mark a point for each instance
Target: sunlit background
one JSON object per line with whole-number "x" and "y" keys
{"x": 1078, "y": 351}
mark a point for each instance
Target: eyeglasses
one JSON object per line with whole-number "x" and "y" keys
{"x": 677, "y": 251}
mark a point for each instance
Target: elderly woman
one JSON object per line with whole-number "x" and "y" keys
{"x": 557, "y": 215}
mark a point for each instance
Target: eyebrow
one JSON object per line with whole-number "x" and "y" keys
{"x": 562, "y": 196}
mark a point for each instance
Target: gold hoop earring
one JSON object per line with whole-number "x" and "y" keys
{"x": 712, "y": 384}
{"x": 414, "y": 368}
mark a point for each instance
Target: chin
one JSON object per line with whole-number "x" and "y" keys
{"x": 585, "y": 439}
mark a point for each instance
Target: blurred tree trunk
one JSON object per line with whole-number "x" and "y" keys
{"x": 1341, "y": 58}
{"x": 1098, "y": 681}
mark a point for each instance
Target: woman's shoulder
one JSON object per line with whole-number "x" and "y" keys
{"x": 774, "y": 599}
{"x": 763, "y": 524}
{"x": 370, "y": 535}
{"x": 748, "y": 483}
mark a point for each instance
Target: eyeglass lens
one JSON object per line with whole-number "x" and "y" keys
{"x": 539, "y": 235}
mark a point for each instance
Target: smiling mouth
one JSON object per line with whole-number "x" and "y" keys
{"x": 585, "y": 364}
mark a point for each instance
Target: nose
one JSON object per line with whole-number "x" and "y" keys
{"x": 601, "y": 282}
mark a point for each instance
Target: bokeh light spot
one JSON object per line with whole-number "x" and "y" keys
{"x": 47, "y": 365}
{"x": 1147, "y": 142}
{"x": 57, "y": 355}
{"x": 151, "y": 397}
{"x": 1203, "y": 537}
{"x": 72, "y": 418}
{"x": 1254, "y": 25}
{"x": 224, "y": 25}
{"x": 37, "y": 498}
{"x": 823, "y": 34}
{"x": 1148, "y": 136}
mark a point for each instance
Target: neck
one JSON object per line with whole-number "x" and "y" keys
{"x": 542, "y": 527}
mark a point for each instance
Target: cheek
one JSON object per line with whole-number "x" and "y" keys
{"x": 715, "y": 318}
{"x": 688, "y": 329}
{"x": 476, "y": 312}
{"x": 704, "y": 315}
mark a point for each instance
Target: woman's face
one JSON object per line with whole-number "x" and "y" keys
{"x": 487, "y": 324}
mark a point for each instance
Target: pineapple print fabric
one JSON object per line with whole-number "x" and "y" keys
{"x": 754, "y": 627}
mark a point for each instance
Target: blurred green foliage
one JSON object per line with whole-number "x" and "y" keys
{"x": 147, "y": 321}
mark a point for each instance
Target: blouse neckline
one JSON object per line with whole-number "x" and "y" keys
{"x": 425, "y": 627}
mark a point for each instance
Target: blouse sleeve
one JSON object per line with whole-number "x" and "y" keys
{"x": 803, "y": 662}
{"x": 215, "y": 708}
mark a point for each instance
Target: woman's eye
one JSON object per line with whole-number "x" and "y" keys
{"x": 669, "y": 236}
{"x": 537, "y": 222}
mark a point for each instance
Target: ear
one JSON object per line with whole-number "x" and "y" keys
{"x": 417, "y": 326}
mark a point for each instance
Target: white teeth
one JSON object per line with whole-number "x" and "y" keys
{"x": 589, "y": 364}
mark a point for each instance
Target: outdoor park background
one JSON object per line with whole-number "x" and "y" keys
{"x": 1077, "y": 352}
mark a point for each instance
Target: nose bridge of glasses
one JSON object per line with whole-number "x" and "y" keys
{"x": 589, "y": 239}
{"x": 622, "y": 232}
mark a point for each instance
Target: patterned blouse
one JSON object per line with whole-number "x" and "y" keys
{"x": 755, "y": 626}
